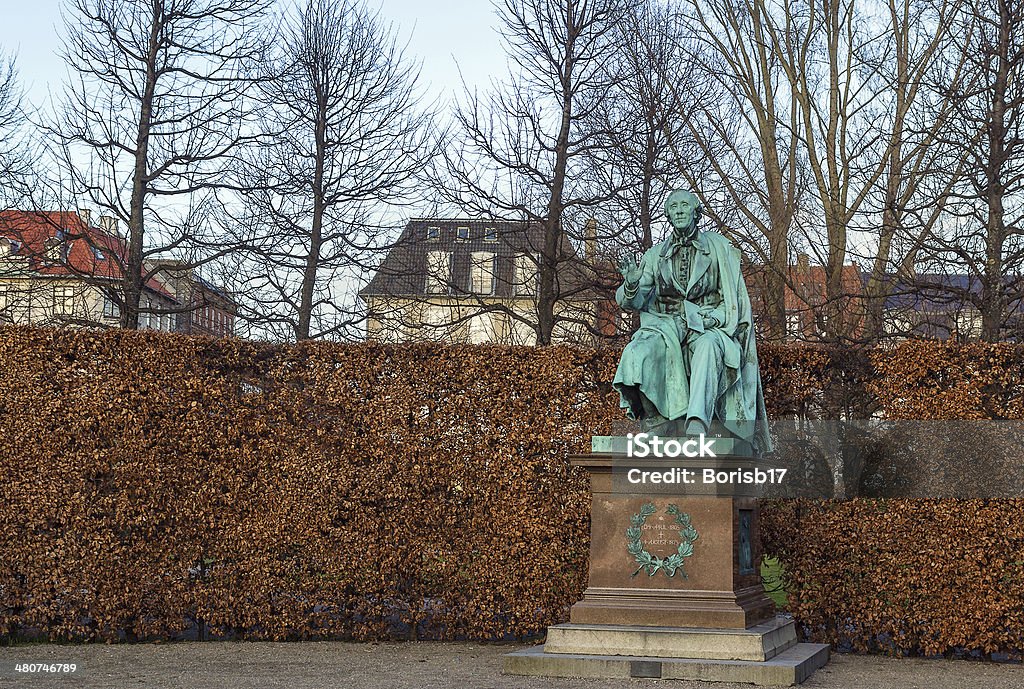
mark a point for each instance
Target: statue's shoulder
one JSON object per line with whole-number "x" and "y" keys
{"x": 719, "y": 242}
{"x": 718, "y": 239}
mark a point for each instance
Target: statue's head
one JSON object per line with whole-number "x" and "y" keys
{"x": 683, "y": 210}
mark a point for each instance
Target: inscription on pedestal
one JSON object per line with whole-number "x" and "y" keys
{"x": 660, "y": 538}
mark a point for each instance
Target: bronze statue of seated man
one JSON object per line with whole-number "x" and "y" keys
{"x": 693, "y": 360}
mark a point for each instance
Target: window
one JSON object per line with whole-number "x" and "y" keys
{"x": 462, "y": 233}
{"x": 526, "y": 274}
{"x": 439, "y": 272}
{"x": 54, "y": 250}
{"x": 491, "y": 234}
{"x": 63, "y": 301}
{"x": 110, "y": 307}
{"x": 481, "y": 275}
{"x": 794, "y": 326}
{"x": 97, "y": 254}
{"x": 433, "y": 233}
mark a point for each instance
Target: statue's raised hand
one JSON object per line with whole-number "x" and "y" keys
{"x": 629, "y": 269}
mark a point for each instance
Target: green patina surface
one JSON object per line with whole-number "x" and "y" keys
{"x": 693, "y": 358}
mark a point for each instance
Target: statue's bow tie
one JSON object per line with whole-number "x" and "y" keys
{"x": 679, "y": 243}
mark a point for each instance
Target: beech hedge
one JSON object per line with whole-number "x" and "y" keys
{"x": 157, "y": 486}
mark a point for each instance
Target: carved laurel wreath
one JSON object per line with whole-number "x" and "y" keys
{"x": 674, "y": 562}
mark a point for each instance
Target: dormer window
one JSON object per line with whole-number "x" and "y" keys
{"x": 462, "y": 233}
{"x": 433, "y": 233}
{"x": 56, "y": 249}
{"x": 491, "y": 234}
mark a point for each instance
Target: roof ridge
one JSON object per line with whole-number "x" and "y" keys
{"x": 474, "y": 220}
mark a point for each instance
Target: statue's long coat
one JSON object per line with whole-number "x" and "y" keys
{"x": 658, "y": 364}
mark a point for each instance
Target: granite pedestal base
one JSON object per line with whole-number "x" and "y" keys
{"x": 792, "y": 666}
{"x": 764, "y": 654}
{"x": 758, "y": 643}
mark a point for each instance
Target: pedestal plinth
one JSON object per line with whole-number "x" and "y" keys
{"x": 674, "y": 587}
{"x": 711, "y": 589}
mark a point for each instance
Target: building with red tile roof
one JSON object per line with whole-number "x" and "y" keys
{"x": 56, "y": 268}
{"x": 805, "y": 298}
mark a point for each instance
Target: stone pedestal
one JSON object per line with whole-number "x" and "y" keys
{"x": 711, "y": 590}
{"x": 674, "y": 589}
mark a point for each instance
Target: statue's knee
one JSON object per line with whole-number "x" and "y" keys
{"x": 705, "y": 342}
{"x": 707, "y": 349}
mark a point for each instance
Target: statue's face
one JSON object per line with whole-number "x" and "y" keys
{"x": 681, "y": 208}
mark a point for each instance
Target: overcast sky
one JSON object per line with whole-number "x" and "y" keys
{"x": 441, "y": 33}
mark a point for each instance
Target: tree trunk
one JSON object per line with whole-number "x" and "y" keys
{"x": 553, "y": 222}
{"x": 134, "y": 268}
{"x": 305, "y": 315}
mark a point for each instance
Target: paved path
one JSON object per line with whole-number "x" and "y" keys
{"x": 425, "y": 665}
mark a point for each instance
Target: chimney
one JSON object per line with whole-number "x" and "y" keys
{"x": 86, "y": 215}
{"x": 803, "y": 262}
{"x": 591, "y": 239}
{"x": 108, "y": 223}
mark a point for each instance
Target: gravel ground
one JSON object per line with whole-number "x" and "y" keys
{"x": 231, "y": 665}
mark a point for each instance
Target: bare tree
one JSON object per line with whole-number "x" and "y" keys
{"x": 11, "y": 170}
{"x": 644, "y": 120}
{"x": 982, "y": 229}
{"x": 13, "y": 163}
{"x": 155, "y": 105}
{"x": 522, "y": 149}
{"x": 25, "y": 294}
{"x": 750, "y": 135}
{"x": 344, "y": 136}
{"x": 642, "y": 145}
{"x": 827, "y": 99}
{"x": 22, "y": 155}
{"x": 826, "y": 53}
{"x": 918, "y": 172}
